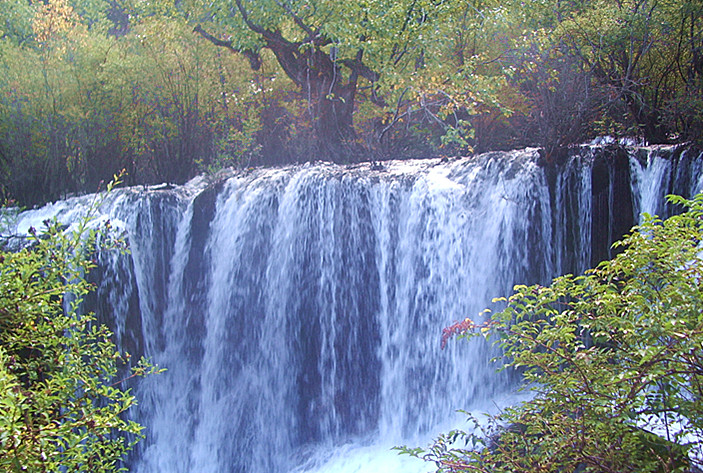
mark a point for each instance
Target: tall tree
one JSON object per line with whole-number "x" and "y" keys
{"x": 333, "y": 50}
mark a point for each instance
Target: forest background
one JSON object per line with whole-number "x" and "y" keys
{"x": 166, "y": 89}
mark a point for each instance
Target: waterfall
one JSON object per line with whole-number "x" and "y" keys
{"x": 298, "y": 310}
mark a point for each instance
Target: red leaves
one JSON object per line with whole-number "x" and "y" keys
{"x": 457, "y": 328}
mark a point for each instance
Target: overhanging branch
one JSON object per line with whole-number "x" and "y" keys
{"x": 252, "y": 56}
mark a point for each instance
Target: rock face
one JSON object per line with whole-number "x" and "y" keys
{"x": 299, "y": 310}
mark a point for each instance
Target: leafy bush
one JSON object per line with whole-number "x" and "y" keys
{"x": 615, "y": 360}
{"x": 61, "y": 406}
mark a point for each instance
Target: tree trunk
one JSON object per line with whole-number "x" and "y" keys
{"x": 330, "y": 97}
{"x": 330, "y": 93}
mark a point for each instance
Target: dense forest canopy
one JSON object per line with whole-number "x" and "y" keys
{"x": 169, "y": 88}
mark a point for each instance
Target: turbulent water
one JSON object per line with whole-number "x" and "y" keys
{"x": 299, "y": 310}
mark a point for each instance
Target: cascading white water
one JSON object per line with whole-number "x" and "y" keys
{"x": 654, "y": 176}
{"x": 299, "y": 310}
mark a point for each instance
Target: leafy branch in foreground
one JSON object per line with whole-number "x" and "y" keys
{"x": 614, "y": 358}
{"x": 61, "y": 404}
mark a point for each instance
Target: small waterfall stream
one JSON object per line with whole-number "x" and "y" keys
{"x": 299, "y": 310}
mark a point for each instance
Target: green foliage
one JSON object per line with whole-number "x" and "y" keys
{"x": 61, "y": 402}
{"x": 81, "y": 104}
{"x": 16, "y": 18}
{"x": 166, "y": 89}
{"x": 613, "y": 357}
